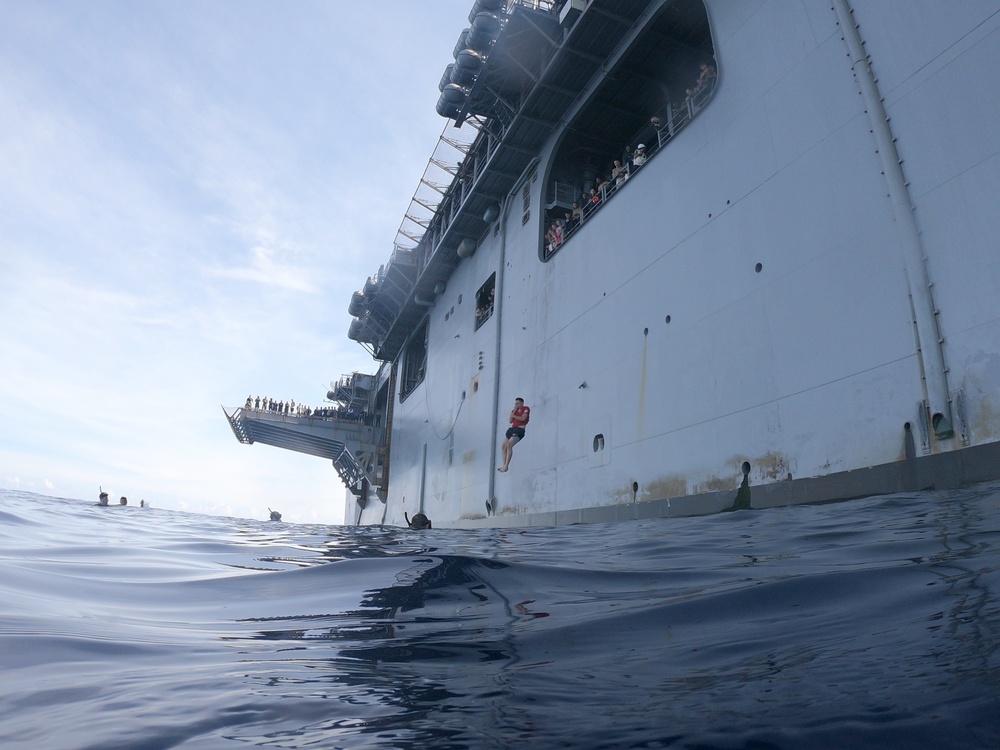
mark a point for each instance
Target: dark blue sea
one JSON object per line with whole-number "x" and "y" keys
{"x": 872, "y": 623}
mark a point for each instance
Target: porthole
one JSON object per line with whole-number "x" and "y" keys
{"x": 598, "y": 443}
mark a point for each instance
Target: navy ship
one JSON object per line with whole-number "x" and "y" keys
{"x": 731, "y": 255}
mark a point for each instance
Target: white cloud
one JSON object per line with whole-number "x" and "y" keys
{"x": 188, "y": 197}
{"x": 263, "y": 269}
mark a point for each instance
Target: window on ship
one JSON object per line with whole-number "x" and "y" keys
{"x": 664, "y": 81}
{"x": 414, "y": 362}
{"x": 484, "y": 300}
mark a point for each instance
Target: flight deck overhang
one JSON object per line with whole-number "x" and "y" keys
{"x": 351, "y": 446}
{"x": 537, "y": 74}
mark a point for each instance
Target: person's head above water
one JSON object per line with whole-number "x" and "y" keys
{"x": 418, "y": 522}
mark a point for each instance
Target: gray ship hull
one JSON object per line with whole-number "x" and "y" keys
{"x": 801, "y": 283}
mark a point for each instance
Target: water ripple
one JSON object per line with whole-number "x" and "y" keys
{"x": 871, "y": 623}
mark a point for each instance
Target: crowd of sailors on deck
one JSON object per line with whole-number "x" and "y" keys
{"x": 621, "y": 169}
{"x": 291, "y": 409}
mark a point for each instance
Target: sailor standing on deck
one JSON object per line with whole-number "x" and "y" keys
{"x": 519, "y": 417}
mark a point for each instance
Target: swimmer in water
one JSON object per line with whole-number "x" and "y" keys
{"x": 419, "y": 521}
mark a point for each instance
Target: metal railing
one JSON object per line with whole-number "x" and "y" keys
{"x": 667, "y": 125}
{"x": 453, "y": 170}
{"x": 546, "y": 5}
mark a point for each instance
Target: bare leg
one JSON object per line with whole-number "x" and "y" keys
{"x": 506, "y": 451}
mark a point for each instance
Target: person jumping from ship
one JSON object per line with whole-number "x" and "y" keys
{"x": 519, "y": 417}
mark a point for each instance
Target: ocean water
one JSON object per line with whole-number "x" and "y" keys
{"x": 873, "y": 623}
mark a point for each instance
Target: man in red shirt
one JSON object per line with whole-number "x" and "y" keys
{"x": 519, "y": 417}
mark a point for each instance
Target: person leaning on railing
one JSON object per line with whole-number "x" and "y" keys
{"x": 619, "y": 172}
{"x": 627, "y": 155}
{"x": 708, "y": 73}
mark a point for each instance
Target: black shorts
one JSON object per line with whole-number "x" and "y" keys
{"x": 517, "y": 432}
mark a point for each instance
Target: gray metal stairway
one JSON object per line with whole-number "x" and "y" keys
{"x": 236, "y": 422}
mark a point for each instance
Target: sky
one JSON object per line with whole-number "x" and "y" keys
{"x": 190, "y": 191}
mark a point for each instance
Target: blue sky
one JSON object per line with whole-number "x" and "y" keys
{"x": 189, "y": 193}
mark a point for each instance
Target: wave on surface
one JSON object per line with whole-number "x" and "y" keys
{"x": 870, "y": 623}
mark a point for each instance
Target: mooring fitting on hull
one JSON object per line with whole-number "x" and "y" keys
{"x": 942, "y": 427}
{"x": 742, "y": 500}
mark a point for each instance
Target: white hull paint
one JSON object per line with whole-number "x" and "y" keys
{"x": 808, "y": 368}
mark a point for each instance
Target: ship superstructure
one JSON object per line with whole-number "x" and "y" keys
{"x": 788, "y": 294}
